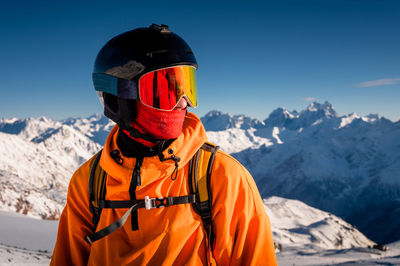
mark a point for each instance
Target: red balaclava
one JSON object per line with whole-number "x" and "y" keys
{"x": 159, "y": 124}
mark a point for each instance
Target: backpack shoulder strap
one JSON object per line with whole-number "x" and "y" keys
{"x": 200, "y": 169}
{"x": 97, "y": 188}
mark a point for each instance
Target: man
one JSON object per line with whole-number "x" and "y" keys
{"x": 145, "y": 79}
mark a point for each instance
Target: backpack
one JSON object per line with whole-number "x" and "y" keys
{"x": 200, "y": 167}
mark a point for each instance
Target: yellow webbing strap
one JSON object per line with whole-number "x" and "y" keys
{"x": 202, "y": 186}
{"x": 98, "y": 185}
{"x": 200, "y": 167}
{"x": 202, "y": 160}
{"x": 97, "y": 181}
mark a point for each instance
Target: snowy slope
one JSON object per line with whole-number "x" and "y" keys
{"x": 296, "y": 224}
{"x": 25, "y": 240}
{"x": 305, "y": 235}
{"x": 348, "y": 165}
{"x": 38, "y": 157}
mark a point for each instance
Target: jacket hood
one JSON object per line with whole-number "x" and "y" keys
{"x": 185, "y": 146}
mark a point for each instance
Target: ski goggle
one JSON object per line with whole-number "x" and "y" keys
{"x": 163, "y": 88}
{"x": 160, "y": 89}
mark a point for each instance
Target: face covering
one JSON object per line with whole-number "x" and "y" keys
{"x": 159, "y": 124}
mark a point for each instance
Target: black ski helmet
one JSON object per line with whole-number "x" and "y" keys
{"x": 128, "y": 56}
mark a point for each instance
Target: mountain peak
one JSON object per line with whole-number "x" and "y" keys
{"x": 217, "y": 120}
{"x": 280, "y": 117}
{"x": 326, "y": 108}
{"x": 283, "y": 112}
{"x": 314, "y": 112}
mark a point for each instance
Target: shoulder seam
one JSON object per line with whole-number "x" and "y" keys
{"x": 245, "y": 174}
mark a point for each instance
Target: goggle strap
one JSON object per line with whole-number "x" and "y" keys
{"x": 123, "y": 88}
{"x": 105, "y": 83}
{"x": 127, "y": 89}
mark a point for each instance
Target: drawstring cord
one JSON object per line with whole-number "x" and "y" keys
{"x": 175, "y": 172}
{"x": 176, "y": 160}
{"x": 173, "y": 157}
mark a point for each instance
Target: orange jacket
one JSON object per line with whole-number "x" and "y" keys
{"x": 173, "y": 235}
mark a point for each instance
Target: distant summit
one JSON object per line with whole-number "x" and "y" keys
{"x": 314, "y": 112}
{"x": 325, "y": 108}
{"x": 216, "y": 121}
{"x": 280, "y": 117}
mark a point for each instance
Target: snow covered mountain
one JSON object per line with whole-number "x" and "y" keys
{"x": 295, "y": 224}
{"x": 347, "y": 165}
{"x": 217, "y": 121}
{"x": 38, "y": 157}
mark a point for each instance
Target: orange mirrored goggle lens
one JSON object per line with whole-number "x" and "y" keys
{"x": 162, "y": 89}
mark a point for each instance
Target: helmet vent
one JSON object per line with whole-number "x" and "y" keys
{"x": 162, "y": 29}
{"x": 157, "y": 52}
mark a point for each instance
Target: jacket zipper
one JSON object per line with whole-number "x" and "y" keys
{"x": 135, "y": 182}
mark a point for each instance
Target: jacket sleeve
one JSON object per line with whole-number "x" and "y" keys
{"x": 242, "y": 227}
{"x": 75, "y": 223}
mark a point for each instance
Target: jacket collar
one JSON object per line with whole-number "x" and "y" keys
{"x": 185, "y": 146}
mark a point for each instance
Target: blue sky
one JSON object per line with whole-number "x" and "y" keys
{"x": 254, "y": 56}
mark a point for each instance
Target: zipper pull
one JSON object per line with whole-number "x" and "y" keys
{"x": 137, "y": 175}
{"x": 136, "y": 171}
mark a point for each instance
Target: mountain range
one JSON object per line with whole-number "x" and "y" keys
{"x": 346, "y": 165}
{"x": 39, "y": 156}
